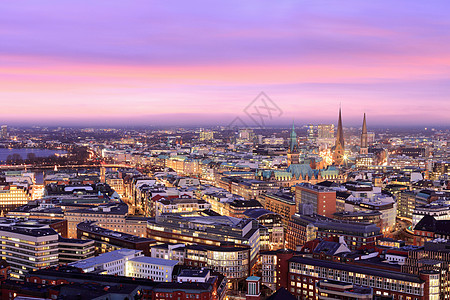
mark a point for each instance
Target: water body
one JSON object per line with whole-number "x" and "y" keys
{"x": 4, "y": 152}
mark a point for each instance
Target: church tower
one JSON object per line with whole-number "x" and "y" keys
{"x": 364, "y": 146}
{"x": 293, "y": 155}
{"x": 339, "y": 149}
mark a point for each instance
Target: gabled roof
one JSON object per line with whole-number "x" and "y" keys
{"x": 302, "y": 170}
{"x": 281, "y": 294}
{"x": 428, "y": 223}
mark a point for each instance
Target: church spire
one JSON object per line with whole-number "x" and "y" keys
{"x": 340, "y": 131}
{"x": 339, "y": 149}
{"x": 364, "y": 144}
{"x": 293, "y": 154}
{"x": 293, "y": 145}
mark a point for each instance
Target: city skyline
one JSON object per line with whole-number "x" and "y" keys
{"x": 251, "y": 150}
{"x": 202, "y": 64}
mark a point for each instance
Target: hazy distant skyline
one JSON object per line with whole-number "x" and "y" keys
{"x": 202, "y": 62}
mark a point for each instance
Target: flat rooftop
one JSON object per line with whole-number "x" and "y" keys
{"x": 155, "y": 261}
{"x": 105, "y": 258}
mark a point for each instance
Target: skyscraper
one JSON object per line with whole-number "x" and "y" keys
{"x": 339, "y": 149}
{"x": 4, "y": 132}
{"x": 364, "y": 147}
{"x": 325, "y": 131}
{"x": 311, "y": 132}
{"x": 293, "y": 154}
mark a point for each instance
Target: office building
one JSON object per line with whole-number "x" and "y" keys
{"x": 304, "y": 228}
{"x": 106, "y": 240}
{"x": 28, "y": 247}
{"x": 214, "y": 288}
{"x": 169, "y": 251}
{"x": 71, "y": 250}
{"x": 129, "y": 263}
{"x": 206, "y": 230}
{"x": 333, "y": 289}
{"x": 306, "y": 274}
{"x": 13, "y": 196}
{"x": 228, "y": 259}
{"x": 113, "y": 216}
{"x": 180, "y": 205}
{"x": 271, "y": 231}
{"x": 406, "y": 204}
{"x": 325, "y": 131}
{"x": 281, "y": 203}
{"x": 318, "y": 199}
{"x": 4, "y": 132}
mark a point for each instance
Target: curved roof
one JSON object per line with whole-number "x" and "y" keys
{"x": 256, "y": 213}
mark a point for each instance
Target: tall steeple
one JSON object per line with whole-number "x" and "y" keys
{"x": 339, "y": 149}
{"x": 293, "y": 144}
{"x": 340, "y": 131}
{"x": 364, "y": 145}
{"x": 293, "y": 154}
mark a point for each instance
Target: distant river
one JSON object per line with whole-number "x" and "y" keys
{"x": 4, "y": 152}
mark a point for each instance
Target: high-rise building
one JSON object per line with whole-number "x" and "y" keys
{"x": 293, "y": 155}
{"x": 246, "y": 134}
{"x": 206, "y": 135}
{"x": 4, "y": 132}
{"x": 325, "y": 131}
{"x": 311, "y": 132}
{"x": 364, "y": 145}
{"x": 339, "y": 150}
{"x": 370, "y": 137}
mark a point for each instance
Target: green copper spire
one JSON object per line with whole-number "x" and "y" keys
{"x": 293, "y": 145}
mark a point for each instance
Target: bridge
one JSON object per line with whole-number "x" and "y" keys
{"x": 23, "y": 166}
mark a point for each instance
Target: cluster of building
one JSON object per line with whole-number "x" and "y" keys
{"x": 245, "y": 216}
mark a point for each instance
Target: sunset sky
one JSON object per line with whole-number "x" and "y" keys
{"x": 202, "y": 62}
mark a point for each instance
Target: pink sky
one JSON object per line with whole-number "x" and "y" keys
{"x": 187, "y": 62}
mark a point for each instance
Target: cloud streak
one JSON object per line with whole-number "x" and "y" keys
{"x": 91, "y": 60}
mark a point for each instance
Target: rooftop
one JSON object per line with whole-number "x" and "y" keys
{"x": 106, "y": 258}
{"x": 155, "y": 261}
{"x": 194, "y": 273}
{"x": 89, "y": 226}
{"x": 357, "y": 269}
